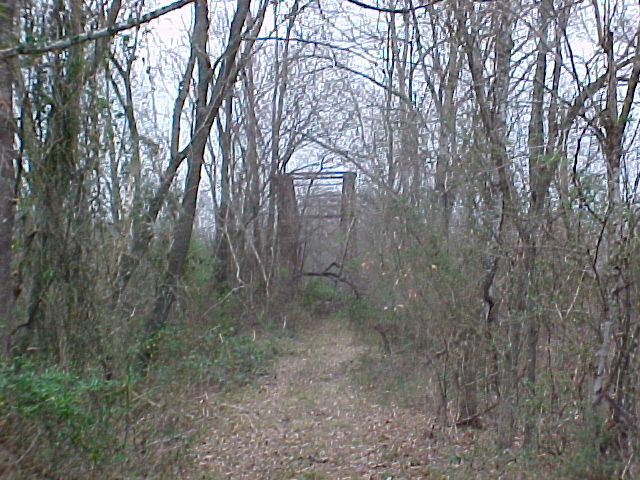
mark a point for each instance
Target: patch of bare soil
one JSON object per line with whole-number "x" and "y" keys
{"x": 309, "y": 422}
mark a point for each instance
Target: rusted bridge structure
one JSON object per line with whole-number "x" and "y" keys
{"x": 316, "y": 234}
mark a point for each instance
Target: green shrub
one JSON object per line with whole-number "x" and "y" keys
{"x": 71, "y": 413}
{"x": 318, "y": 292}
{"x": 221, "y": 356}
{"x": 587, "y": 460}
{"x": 360, "y": 311}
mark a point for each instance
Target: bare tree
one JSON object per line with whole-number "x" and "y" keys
{"x": 616, "y": 384}
{"x": 206, "y": 113}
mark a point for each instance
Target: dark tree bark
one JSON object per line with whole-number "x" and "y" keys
{"x": 7, "y": 178}
{"x": 540, "y": 175}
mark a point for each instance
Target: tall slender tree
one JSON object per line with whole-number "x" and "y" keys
{"x": 7, "y": 178}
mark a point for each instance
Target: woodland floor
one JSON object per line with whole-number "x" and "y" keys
{"x": 310, "y": 420}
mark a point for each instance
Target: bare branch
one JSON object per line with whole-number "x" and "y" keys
{"x": 401, "y": 10}
{"x": 393, "y": 10}
{"x": 61, "y": 44}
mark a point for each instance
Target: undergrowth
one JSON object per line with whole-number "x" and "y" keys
{"x": 59, "y": 423}
{"x": 69, "y": 418}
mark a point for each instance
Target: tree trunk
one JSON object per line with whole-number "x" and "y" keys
{"x": 614, "y": 268}
{"x": 206, "y": 113}
{"x": 252, "y": 206}
{"x": 141, "y": 225}
{"x": 7, "y": 179}
{"x": 58, "y": 212}
{"x": 222, "y": 245}
{"x": 491, "y": 99}
{"x": 540, "y": 174}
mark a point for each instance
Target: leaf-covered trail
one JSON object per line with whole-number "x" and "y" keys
{"x": 309, "y": 421}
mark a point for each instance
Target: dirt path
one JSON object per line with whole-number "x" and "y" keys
{"x": 309, "y": 422}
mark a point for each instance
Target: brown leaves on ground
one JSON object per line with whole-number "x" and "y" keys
{"x": 308, "y": 422}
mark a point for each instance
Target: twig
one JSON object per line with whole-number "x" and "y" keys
{"x": 627, "y": 418}
{"x": 222, "y": 300}
{"x": 22, "y": 457}
{"x": 336, "y": 277}
{"x": 137, "y": 396}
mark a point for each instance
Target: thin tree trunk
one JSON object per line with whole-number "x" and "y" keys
{"x": 281, "y": 84}
{"x": 7, "y": 179}
{"x": 141, "y": 226}
{"x": 491, "y": 100}
{"x": 614, "y": 269}
{"x": 253, "y": 188}
{"x": 222, "y": 246}
{"x": 540, "y": 174}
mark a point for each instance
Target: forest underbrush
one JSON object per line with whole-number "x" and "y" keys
{"x": 61, "y": 423}
{"x": 326, "y": 386}
{"x": 564, "y": 450}
{"x": 400, "y": 368}
{"x": 336, "y": 239}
